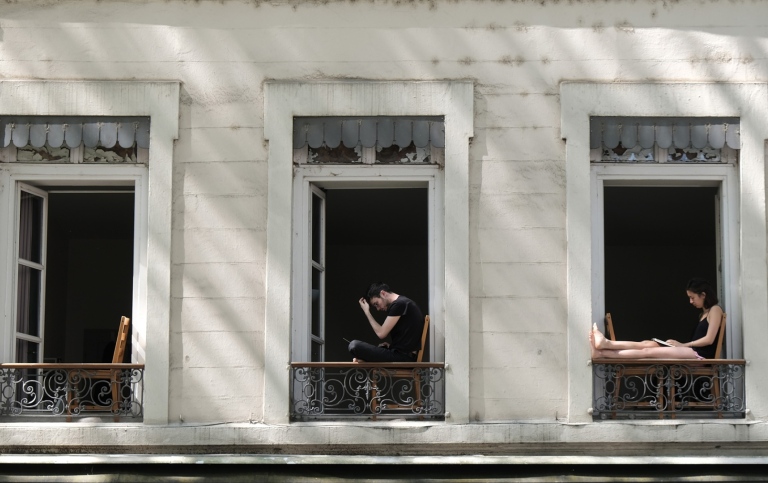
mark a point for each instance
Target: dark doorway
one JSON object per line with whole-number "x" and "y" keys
{"x": 89, "y": 273}
{"x": 656, "y": 239}
{"x": 372, "y": 235}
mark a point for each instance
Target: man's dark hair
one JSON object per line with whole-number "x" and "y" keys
{"x": 375, "y": 289}
{"x": 702, "y": 287}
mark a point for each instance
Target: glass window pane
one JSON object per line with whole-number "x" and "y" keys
{"x": 31, "y": 228}
{"x": 317, "y": 229}
{"x": 317, "y": 352}
{"x": 26, "y": 351}
{"x": 28, "y": 301}
{"x": 316, "y": 296}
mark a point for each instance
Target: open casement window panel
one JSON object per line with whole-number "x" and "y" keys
{"x": 30, "y": 273}
{"x": 75, "y": 249}
{"x": 366, "y": 190}
{"x": 666, "y": 210}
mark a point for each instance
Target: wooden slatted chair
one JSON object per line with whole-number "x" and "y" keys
{"x": 111, "y": 375}
{"x": 704, "y": 371}
{"x": 407, "y": 373}
{"x": 710, "y": 371}
{"x": 609, "y": 327}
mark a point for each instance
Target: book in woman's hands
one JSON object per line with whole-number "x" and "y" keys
{"x": 659, "y": 341}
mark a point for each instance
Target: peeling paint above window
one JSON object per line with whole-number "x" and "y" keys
{"x": 44, "y": 139}
{"x": 664, "y": 139}
{"x": 366, "y": 140}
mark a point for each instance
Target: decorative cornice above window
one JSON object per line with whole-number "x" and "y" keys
{"x": 380, "y": 132}
{"x": 664, "y": 132}
{"x": 106, "y": 132}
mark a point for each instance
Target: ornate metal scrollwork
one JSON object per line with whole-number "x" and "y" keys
{"x": 37, "y": 390}
{"x": 346, "y": 390}
{"x": 707, "y": 389}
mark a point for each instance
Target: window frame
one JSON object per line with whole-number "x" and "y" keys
{"x": 723, "y": 176}
{"x": 153, "y": 184}
{"x": 285, "y": 100}
{"x": 308, "y": 178}
{"x": 747, "y": 101}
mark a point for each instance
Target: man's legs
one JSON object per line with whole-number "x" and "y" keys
{"x": 366, "y": 352}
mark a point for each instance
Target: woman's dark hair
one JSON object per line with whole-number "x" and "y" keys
{"x": 375, "y": 290}
{"x": 702, "y": 287}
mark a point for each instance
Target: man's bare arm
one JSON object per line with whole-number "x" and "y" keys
{"x": 382, "y": 330}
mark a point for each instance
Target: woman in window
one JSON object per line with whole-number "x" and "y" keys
{"x": 703, "y": 342}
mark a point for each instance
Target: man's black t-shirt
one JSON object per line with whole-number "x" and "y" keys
{"x": 406, "y": 334}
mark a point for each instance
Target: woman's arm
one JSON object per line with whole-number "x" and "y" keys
{"x": 714, "y": 317}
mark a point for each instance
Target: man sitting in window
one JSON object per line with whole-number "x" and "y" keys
{"x": 404, "y": 323}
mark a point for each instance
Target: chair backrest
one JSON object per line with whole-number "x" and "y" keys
{"x": 720, "y": 337}
{"x": 420, "y": 355}
{"x": 122, "y": 340}
{"x": 609, "y": 327}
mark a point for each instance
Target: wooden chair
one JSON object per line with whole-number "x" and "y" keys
{"x": 407, "y": 373}
{"x": 420, "y": 354}
{"x": 711, "y": 371}
{"x": 609, "y": 327}
{"x": 695, "y": 371}
{"x": 111, "y": 375}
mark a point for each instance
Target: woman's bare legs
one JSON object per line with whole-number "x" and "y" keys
{"x": 644, "y": 352}
{"x": 601, "y": 343}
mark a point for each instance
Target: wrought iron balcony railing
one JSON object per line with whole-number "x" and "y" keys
{"x": 669, "y": 388}
{"x": 344, "y": 390}
{"x": 72, "y": 390}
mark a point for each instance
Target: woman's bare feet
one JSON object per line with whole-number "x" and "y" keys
{"x": 598, "y": 339}
{"x": 596, "y": 353}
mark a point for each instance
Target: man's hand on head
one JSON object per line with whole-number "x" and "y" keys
{"x": 364, "y": 305}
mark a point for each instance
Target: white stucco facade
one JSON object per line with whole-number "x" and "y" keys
{"x": 516, "y": 82}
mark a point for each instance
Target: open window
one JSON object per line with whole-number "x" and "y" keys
{"x": 75, "y": 277}
{"x": 444, "y": 175}
{"x": 358, "y": 235}
{"x": 656, "y": 239}
{"x": 665, "y": 211}
{"x": 74, "y": 240}
{"x": 364, "y": 211}
{"x": 104, "y": 147}
{"x": 740, "y": 184}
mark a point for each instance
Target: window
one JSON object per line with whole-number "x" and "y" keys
{"x": 737, "y": 184}
{"x": 446, "y": 184}
{"x": 75, "y": 244}
{"x": 71, "y": 295}
{"x": 374, "y": 228}
{"x": 659, "y": 186}
{"x": 102, "y": 160}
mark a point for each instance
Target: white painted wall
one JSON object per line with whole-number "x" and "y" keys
{"x": 516, "y": 55}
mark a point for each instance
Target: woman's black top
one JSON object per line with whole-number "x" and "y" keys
{"x": 708, "y": 351}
